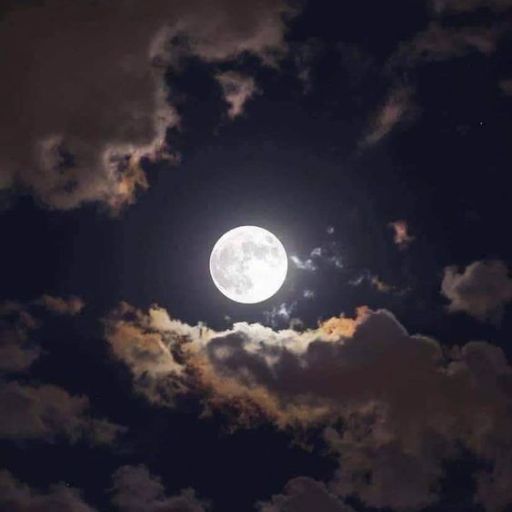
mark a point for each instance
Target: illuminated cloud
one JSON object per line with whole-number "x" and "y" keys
{"x": 304, "y": 264}
{"x": 396, "y": 109}
{"x": 94, "y": 97}
{"x": 481, "y": 290}
{"x": 362, "y": 380}
{"x": 327, "y": 255}
{"x": 237, "y": 90}
{"x": 308, "y": 294}
{"x": 62, "y": 306}
{"x": 401, "y": 236}
{"x": 40, "y": 411}
{"x": 279, "y": 314}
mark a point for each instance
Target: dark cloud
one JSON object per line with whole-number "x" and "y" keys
{"x": 49, "y": 412}
{"x": 457, "y": 6}
{"x": 84, "y": 96}
{"x": 16, "y": 496}
{"x": 304, "y": 494}
{"x": 16, "y": 352}
{"x": 506, "y": 87}
{"x": 439, "y": 43}
{"x": 136, "y": 490}
{"x": 40, "y": 411}
{"x": 394, "y": 406}
{"x": 133, "y": 490}
{"x": 481, "y": 290}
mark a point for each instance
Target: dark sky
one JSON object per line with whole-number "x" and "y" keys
{"x": 373, "y": 138}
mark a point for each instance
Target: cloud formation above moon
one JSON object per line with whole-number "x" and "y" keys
{"x": 390, "y": 404}
{"x": 79, "y": 119}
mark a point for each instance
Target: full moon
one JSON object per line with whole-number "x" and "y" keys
{"x": 248, "y": 264}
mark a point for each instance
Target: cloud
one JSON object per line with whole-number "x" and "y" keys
{"x": 458, "y": 6}
{"x": 281, "y": 313}
{"x": 327, "y": 254}
{"x": 304, "y": 264}
{"x": 49, "y": 412}
{"x": 16, "y": 496}
{"x": 90, "y": 101}
{"x": 396, "y": 109}
{"x": 17, "y": 352}
{"x": 375, "y": 282}
{"x": 481, "y": 290}
{"x": 506, "y": 87}
{"x": 69, "y": 306}
{"x": 308, "y": 294}
{"x": 439, "y": 43}
{"x": 237, "y": 90}
{"x": 303, "y": 494}
{"x": 40, "y": 411}
{"x": 394, "y": 407}
{"x": 401, "y": 236}
{"x": 380, "y": 285}
{"x": 136, "y": 490}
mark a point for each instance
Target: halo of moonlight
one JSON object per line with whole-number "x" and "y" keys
{"x": 248, "y": 264}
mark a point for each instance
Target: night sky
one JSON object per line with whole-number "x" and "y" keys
{"x": 372, "y": 138}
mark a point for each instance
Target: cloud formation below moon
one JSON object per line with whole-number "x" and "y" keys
{"x": 390, "y": 403}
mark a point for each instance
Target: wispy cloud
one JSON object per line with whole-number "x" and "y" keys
{"x": 397, "y": 108}
{"x": 238, "y": 89}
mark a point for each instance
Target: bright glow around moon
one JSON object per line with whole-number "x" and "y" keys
{"x": 248, "y": 264}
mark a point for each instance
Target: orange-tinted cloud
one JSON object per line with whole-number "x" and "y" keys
{"x": 62, "y": 306}
{"x": 94, "y": 94}
{"x": 401, "y": 236}
{"x": 362, "y": 380}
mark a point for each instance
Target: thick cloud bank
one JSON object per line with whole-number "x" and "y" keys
{"x": 393, "y": 406}
{"x": 83, "y": 93}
